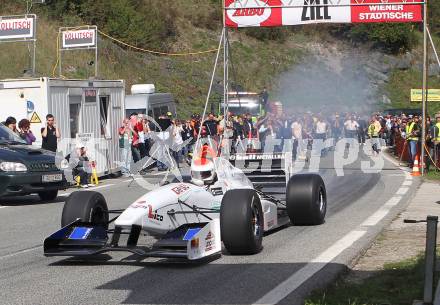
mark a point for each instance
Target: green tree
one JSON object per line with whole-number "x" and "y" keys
{"x": 391, "y": 37}
{"x": 142, "y": 23}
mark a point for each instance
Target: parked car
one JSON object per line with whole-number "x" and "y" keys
{"x": 25, "y": 169}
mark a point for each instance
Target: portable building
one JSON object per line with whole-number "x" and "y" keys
{"x": 83, "y": 109}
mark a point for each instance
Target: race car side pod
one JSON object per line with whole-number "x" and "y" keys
{"x": 81, "y": 239}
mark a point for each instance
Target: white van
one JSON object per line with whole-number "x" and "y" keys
{"x": 144, "y": 100}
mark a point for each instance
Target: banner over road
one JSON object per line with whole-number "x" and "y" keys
{"x": 272, "y": 13}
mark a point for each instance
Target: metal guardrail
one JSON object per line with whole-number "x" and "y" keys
{"x": 430, "y": 260}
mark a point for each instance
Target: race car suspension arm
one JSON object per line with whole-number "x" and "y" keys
{"x": 271, "y": 198}
{"x": 115, "y": 211}
{"x": 195, "y": 210}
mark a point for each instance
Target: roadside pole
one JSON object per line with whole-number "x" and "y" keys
{"x": 225, "y": 66}
{"x": 34, "y": 54}
{"x": 96, "y": 55}
{"x": 425, "y": 82}
{"x": 225, "y": 72}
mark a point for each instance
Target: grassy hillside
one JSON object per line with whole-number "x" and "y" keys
{"x": 178, "y": 26}
{"x": 256, "y": 63}
{"x": 402, "y": 81}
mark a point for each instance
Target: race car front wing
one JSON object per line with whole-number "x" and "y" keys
{"x": 81, "y": 239}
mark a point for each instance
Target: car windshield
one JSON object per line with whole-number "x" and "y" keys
{"x": 9, "y": 137}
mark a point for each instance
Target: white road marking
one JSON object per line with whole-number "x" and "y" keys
{"x": 302, "y": 275}
{"x": 2, "y": 207}
{"x": 382, "y": 212}
{"x": 402, "y": 191}
{"x": 100, "y": 187}
{"x": 393, "y": 201}
{"x": 408, "y": 176}
{"x": 135, "y": 179}
{"x": 407, "y": 183}
{"x": 89, "y": 188}
{"x": 376, "y": 217}
{"x": 21, "y": 252}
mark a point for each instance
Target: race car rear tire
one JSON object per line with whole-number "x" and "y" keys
{"x": 241, "y": 221}
{"x": 306, "y": 199}
{"x": 88, "y": 206}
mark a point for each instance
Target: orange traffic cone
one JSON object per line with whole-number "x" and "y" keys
{"x": 416, "y": 167}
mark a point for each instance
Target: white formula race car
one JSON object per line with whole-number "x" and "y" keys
{"x": 190, "y": 219}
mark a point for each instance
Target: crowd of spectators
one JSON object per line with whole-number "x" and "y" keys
{"x": 136, "y": 132}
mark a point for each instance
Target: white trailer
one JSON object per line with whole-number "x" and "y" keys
{"x": 91, "y": 107}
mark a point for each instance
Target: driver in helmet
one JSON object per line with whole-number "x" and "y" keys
{"x": 203, "y": 169}
{"x": 203, "y": 172}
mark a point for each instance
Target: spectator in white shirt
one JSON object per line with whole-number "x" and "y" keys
{"x": 320, "y": 129}
{"x": 351, "y": 127}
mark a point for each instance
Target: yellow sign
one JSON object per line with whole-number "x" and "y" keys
{"x": 433, "y": 95}
{"x": 35, "y": 118}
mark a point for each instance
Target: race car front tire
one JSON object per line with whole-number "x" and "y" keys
{"x": 88, "y": 206}
{"x": 241, "y": 221}
{"x": 306, "y": 199}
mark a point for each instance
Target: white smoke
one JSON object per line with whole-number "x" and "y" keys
{"x": 328, "y": 80}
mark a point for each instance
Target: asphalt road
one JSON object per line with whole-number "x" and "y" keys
{"x": 295, "y": 259}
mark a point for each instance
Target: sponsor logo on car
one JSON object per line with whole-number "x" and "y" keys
{"x": 210, "y": 241}
{"x": 270, "y": 223}
{"x": 257, "y": 156}
{"x": 139, "y": 205}
{"x": 180, "y": 189}
{"x": 216, "y": 191}
{"x": 154, "y": 216}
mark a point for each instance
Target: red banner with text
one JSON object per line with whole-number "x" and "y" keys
{"x": 269, "y": 13}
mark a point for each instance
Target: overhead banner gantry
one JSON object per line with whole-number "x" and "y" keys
{"x": 272, "y": 13}
{"x": 277, "y": 13}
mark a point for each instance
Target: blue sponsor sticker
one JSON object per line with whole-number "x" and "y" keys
{"x": 190, "y": 233}
{"x": 80, "y": 233}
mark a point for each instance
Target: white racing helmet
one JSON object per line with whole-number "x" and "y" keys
{"x": 202, "y": 172}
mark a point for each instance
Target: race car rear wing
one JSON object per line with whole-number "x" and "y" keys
{"x": 190, "y": 241}
{"x": 265, "y": 168}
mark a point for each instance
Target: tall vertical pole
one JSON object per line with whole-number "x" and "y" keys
{"x": 96, "y": 52}
{"x": 60, "y": 63}
{"x": 60, "y": 47}
{"x": 424, "y": 84}
{"x": 33, "y": 56}
{"x": 225, "y": 72}
{"x": 225, "y": 63}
